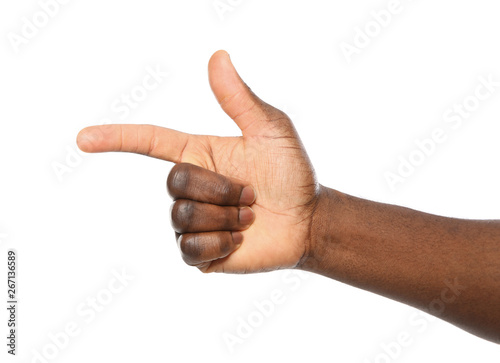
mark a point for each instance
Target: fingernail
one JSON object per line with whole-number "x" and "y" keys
{"x": 248, "y": 195}
{"x": 86, "y": 139}
{"x": 237, "y": 237}
{"x": 246, "y": 216}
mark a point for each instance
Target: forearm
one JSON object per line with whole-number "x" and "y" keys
{"x": 447, "y": 267}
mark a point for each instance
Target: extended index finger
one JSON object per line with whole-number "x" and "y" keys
{"x": 157, "y": 142}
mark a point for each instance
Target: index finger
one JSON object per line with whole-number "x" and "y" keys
{"x": 157, "y": 142}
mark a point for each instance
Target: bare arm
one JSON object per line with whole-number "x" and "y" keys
{"x": 447, "y": 267}
{"x": 252, "y": 203}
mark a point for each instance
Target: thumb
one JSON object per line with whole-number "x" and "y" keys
{"x": 252, "y": 115}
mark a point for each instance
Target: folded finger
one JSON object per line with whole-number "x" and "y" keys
{"x": 187, "y": 181}
{"x": 198, "y": 249}
{"x": 189, "y": 216}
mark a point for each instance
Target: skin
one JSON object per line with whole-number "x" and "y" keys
{"x": 252, "y": 203}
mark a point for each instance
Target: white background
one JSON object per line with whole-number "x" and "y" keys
{"x": 111, "y": 211}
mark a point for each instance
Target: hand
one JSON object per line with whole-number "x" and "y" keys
{"x": 268, "y": 156}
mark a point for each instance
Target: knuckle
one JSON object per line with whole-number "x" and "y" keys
{"x": 225, "y": 246}
{"x": 274, "y": 113}
{"x": 278, "y": 119}
{"x": 178, "y": 179}
{"x": 230, "y": 218}
{"x": 226, "y": 192}
{"x": 182, "y": 214}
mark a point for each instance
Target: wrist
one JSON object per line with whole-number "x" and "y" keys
{"x": 324, "y": 231}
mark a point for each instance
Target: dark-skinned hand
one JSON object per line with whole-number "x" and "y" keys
{"x": 242, "y": 204}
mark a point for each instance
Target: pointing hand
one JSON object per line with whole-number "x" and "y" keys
{"x": 242, "y": 204}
